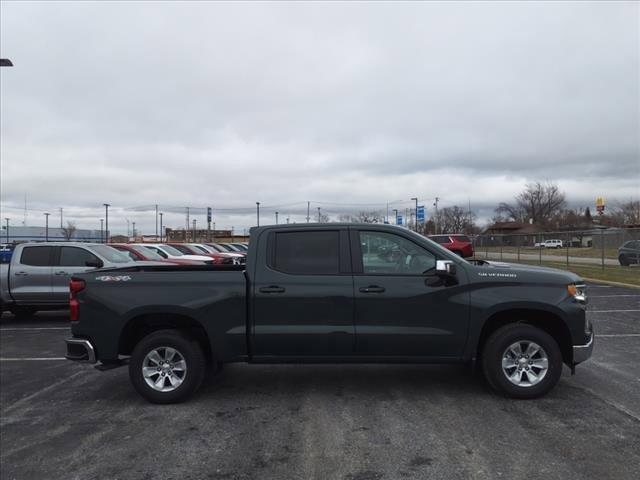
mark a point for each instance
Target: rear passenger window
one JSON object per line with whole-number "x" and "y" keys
{"x": 76, "y": 257}
{"x": 36, "y": 256}
{"x": 307, "y": 253}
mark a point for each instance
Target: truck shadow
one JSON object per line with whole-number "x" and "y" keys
{"x": 342, "y": 380}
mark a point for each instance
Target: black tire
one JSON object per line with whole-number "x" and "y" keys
{"x": 497, "y": 344}
{"x": 624, "y": 261}
{"x": 23, "y": 313}
{"x": 187, "y": 347}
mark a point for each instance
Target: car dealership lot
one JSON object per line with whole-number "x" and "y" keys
{"x": 62, "y": 420}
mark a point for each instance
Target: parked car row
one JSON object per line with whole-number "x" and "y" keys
{"x": 37, "y": 276}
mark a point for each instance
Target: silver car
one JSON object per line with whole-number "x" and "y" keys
{"x": 37, "y": 277}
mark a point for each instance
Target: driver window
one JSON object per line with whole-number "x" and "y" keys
{"x": 386, "y": 253}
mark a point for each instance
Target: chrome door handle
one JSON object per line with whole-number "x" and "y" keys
{"x": 61, "y": 272}
{"x": 22, "y": 274}
{"x": 372, "y": 289}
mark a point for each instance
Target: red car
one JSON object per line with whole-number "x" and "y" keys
{"x": 457, "y": 243}
{"x": 140, "y": 253}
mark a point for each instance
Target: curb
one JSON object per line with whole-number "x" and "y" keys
{"x": 617, "y": 284}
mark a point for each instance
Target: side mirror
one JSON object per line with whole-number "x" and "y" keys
{"x": 94, "y": 263}
{"x": 445, "y": 267}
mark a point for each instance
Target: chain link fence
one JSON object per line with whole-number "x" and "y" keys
{"x": 602, "y": 248}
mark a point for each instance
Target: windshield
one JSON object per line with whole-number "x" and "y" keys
{"x": 171, "y": 251}
{"x": 146, "y": 252}
{"x": 203, "y": 249}
{"x": 110, "y": 254}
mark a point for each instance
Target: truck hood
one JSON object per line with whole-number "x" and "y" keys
{"x": 526, "y": 272}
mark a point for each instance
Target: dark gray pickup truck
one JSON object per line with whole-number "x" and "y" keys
{"x": 331, "y": 293}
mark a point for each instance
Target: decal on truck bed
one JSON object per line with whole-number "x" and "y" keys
{"x": 114, "y": 278}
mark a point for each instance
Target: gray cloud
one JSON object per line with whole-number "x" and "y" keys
{"x": 226, "y": 104}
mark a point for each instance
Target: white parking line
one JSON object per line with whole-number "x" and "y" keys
{"x": 29, "y": 359}
{"x": 618, "y": 335}
{"x": 33, "y": 328}
{"x": 610, "y": 296}
{"x": 611, "y": 311}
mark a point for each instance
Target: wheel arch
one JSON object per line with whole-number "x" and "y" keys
{"x": 142, "y": 325}
{"x": 547, "y": 321}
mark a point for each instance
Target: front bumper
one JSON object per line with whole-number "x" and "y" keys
{"x": 583, "y": 352}
{"x": 80, "y": 350}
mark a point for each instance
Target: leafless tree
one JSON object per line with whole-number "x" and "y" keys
{"x": 538, "y": 202}
{"x": 362, "y": 217}
{"x": 69, "y": 231}
{"x": 455, "y": 220}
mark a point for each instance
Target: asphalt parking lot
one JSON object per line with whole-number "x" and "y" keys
{"x": 59, "y": 420}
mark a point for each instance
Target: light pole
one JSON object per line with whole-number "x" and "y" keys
{"x": 318, "y": 214}
{"x": 133, "y": 231}
{"x": 194, "y": 231}
{"x": 106, "y": 222}
{"x": 258, "y": 212}
{"x": 276, "y": 218}
{"x": 102, "y": 230}
{"x": 161, "y": 214}
{"x": 395, "y": 216}
{"x": 61, "y": 217}
{"x": 308, "y": 207}
{"x": 415, "y": 226}
{"x": 435, "y": 204}
{"x": 7, "y": 229}
{"x": 46, "y": 227}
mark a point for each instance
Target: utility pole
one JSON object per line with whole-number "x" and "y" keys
{"x": 102, "y": 230}
{"x": 46, "y": 227}
{"x": 258, "y": 213}
{"x": 436, "y": 205}
{"x": 193, "y": 239}
{"x": 156, "y": 222}
{"x": 318, "y": 214}
{"x": 276, "y": 218}
{"x": 61, "y": 217}
{"x": 287, "y": 219}
{"x": 308, "y": 207}
{"x": 161, "y": 214}
{"x": 133, "y": 231}
{"x": 415, "y": 226}
{"x": 387, "y": 212}
{"x": 186, "y": 229}
{"x": 7, "y": 219}
{"x": 395, "y": 216}
{"x": 106, "y": 221}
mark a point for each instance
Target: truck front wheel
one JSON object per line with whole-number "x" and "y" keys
{"x": 521, "y": 361}
{"x": 167, "y": 366}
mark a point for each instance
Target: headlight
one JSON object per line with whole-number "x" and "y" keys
{"x": 578, "y": 291}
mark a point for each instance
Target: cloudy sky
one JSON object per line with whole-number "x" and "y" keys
{"x": 349, "y": 106}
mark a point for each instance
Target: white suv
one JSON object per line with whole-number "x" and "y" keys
{"x": 550, "y": 244}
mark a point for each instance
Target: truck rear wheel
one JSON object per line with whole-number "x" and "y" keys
{"x": 167, "y": 366}
{"x": 521, "y": 361}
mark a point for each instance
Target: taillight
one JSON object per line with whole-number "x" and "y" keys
{"x": 75, "y": 286}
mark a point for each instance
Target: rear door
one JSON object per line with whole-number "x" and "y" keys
{"x": 30, "y": 278}
{"x": 303, "y": 295}
{"x": 401, "y": 307}
{"x": 69, "y": 261}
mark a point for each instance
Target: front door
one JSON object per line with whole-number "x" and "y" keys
{"x": 303, "y": 295}
{"x": 70, "y": 261}
{"x": 402, "y": 307}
